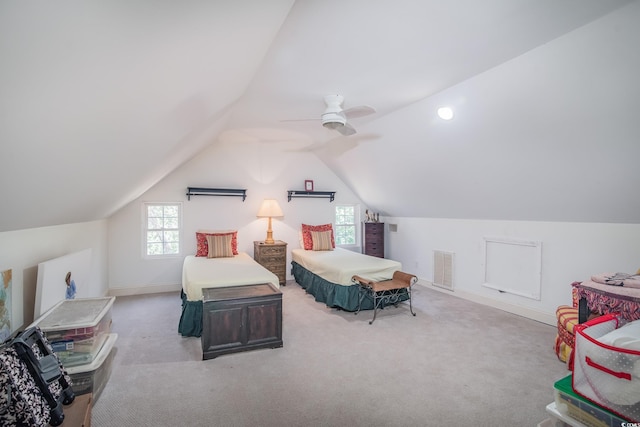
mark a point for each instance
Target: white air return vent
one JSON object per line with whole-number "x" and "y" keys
{"x": 443, "y": 269}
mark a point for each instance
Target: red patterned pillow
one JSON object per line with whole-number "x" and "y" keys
{"x": 202, "y": 248}
{"x": 306, "y": 234}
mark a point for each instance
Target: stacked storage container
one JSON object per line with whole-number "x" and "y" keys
{"x": 604, "y": 388}
{"x": 79, "y": 331}
{"x": 576, "y": 411}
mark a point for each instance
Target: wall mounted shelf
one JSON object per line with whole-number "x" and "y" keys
{"x": 199, "y": 191}
{"x": 314, "y": 194}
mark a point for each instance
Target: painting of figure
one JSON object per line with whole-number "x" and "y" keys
{"x": 71, "y": 287}
{"x": 5, "y": 305}
{"x": 70, "y": 272}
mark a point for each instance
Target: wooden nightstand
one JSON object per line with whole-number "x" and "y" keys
{"x": 273, "y": 258}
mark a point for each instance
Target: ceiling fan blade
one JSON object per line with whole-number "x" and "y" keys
{"x": 346, "y": 130}
{"x": 359, "y": 111}
{"x": 300, "y": 120}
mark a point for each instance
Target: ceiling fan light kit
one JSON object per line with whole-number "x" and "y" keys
{"x": 333, "y": 120}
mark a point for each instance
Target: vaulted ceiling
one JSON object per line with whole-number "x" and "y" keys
{"x": 100, "y": 100}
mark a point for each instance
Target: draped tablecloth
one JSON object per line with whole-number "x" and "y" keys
{"x": 604, "y": 299}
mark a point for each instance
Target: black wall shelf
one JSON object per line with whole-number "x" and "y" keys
{"x": 199, "y": 191}
{"x": 314, "y": 194}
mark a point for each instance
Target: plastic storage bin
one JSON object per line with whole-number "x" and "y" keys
{"x": 570, "y": 404}
{"x": 606, "y": 366}
{"x": 559, "y": 420}
{"x": 77, "y": 328}
{"x": 92, "y": 378}
{"x": 555, "y": 421}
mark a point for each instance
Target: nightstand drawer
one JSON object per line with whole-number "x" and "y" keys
{"x": 270, "y": 260}
{"x": 270, "y": 251}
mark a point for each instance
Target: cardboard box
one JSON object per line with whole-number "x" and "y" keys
{"x": 78, "y": 414}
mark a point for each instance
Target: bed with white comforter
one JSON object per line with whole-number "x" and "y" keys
{"x": 199, "y": 273}
{"x": 327, "y": 275}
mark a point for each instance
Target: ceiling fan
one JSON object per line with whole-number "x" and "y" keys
{"x": 335, "y": 118}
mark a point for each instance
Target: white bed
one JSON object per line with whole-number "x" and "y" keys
{"x": 340, "y": 265}
{"x": 327, "y": 275}
{"x": 202, "y": 272}
{"x": 199, "y": 273}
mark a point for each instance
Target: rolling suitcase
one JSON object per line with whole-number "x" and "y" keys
{"x": 33, "y": 384}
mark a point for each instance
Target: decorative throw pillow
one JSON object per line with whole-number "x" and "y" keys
{"x": 306, "y": 234}
{"x": 322, "y": 240}
{"x": 202, "y": 248}
{"x": 219, "y": 246}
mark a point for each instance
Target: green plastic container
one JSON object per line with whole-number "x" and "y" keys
{"x": 580, "y": 409}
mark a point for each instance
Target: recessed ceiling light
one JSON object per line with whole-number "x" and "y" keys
{"x": 445, "y": 113}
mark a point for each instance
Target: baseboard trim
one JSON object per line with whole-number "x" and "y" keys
{"x": 529, "y": 313}
{"x": 536, "y": 315}
{"x": 140, "y": 290}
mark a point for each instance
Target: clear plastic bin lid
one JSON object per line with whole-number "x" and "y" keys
{"x": 75, "y": 313}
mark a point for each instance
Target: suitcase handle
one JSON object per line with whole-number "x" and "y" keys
{"x": 621, "y": 375}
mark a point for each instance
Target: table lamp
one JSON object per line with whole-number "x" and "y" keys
{"x": 269, "y": 209}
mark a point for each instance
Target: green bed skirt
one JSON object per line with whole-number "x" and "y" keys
{"x": 191, "y": 319}
{"x": 333, "y": 295}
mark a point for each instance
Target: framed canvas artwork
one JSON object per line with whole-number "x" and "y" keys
{"x": 5, "y": 305}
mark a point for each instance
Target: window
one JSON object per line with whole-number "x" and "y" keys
{"x": 162, "y": 229}
{"x": 345, "y": 225}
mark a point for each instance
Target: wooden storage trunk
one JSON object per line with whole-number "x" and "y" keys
{"x": 241, "y": 318}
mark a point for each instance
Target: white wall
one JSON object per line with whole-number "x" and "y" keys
{"x": 22, "y": 251}
{"x": 551, "y": 135}
{"x": 570, "y": 252}
{"x": 265, "y": 169}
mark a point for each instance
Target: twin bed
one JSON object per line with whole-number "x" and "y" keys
{"x": 202, "y": 272}
{"x": 325, "y": 274}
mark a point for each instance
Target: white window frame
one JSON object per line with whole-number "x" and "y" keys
{"x": 356, "y": 219}
{"x": 145, "y": 210}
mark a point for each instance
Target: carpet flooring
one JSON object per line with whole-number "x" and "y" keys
{"x": 455, "y": 363}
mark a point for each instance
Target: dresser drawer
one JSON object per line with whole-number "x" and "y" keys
{"x": 374, "y": 239}
{"x": 267, "y": 251}
{"x": 269, "y": 260}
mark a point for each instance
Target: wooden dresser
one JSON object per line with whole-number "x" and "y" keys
{"x": 273, "y": 258}
{"x": 374, "y": 239}
{"x": 240, "y": 318}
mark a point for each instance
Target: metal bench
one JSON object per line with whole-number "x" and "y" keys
{"x": 385, "y": 292}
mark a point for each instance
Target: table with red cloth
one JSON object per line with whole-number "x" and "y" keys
{"x": 604, "y": 299}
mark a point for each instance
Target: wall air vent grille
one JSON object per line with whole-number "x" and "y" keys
{"x": 443, "y": 269}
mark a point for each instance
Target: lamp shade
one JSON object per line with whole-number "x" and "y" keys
{"x": 269, "y": 209}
